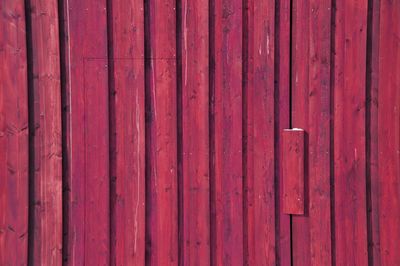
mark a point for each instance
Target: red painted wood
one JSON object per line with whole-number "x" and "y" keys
{"x": 374, "y": 251}
{"x": 349, "y": 133}
{"x": 293, "y": 171}
{"x": 388, "y": 131}
{"x": 13, "y": 135}
{"x": 126, "y": 25}
{"x": 228, "y": 185}
{"x": 260, "y": 117}
{"x": 311, "y": 111}
{"x": 282, "y": 121}
{"x": 88, "y": 151}
{"x": 96, "y": 204}
{"x": 162, "y": 193}
{"x": 248, "y": 136}
{"x": 47, "y": 156}
{"x": 301, "y": 243}
{"x": 319, "y": 132}
{"x": 195, "y": 133}
{"x": 201, "y": 180}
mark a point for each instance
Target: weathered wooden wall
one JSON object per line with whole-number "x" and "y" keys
{"x": 149, "y": 132}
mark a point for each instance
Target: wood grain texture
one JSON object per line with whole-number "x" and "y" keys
{"x": 96, "y": 204}
{"x": 282, "y": 121}
{"x": 228, "y": 184}
{"x": 374, "y": 251}
{"x": 248, "y": 134}
{"x": 293, "y": 171}
{"x": 88, "y": 231}
{"x": 195, "y": 133}
{"x": 13, "y": 135}
{"x": 301, "y": 245}
{"x": 47, "y": 156}
{"x": 319, "y": 132}
{"x": 389, "y": 132}
{"x": 127, "y": 114}
{"x": 349, "y": 133}
{"x": 260, "y": 113}
{"x": 311, "y": 111}
{"x": 155, "y": 132}
{"x": 161, "y": 87}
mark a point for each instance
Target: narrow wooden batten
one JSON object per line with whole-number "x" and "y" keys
{"x": 293, "y": 170}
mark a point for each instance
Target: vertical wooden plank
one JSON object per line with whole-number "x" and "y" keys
{"x": 13, "y": 135}
{"x": 195, "y": 133}
{"x": 96, "y": 172}
{"x": 46, "y": 239}
{"x": 319, "y": 132}
{"x": 87, "y": 161}
{"x": 311, "y": 111}
{"x": 162, "y": 193}
{"x": 301, "y": 245}
{"x": 374, "y": 251}
{"x": 282, "y": 120}
{"x": 128, "y": 132}
{"x": 263, "y": 131}
{"x": 293, "y": 171}
{"x": 260, "y": 96}
{"x": 228, "y": 133}
{"x": 248, "y": 122}
{"x": 349, "y": 133}
{"x": 389, "y": 132}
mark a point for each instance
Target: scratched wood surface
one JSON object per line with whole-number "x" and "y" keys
{"x": 311, "y": 93}
{"x": 161, "y": 146}
{"x": 127, "y": 131}
{"x": 349, "y": 132}
{"x": 227, "y": 243}
{"x": 260, "y": 150}
{"x": 45, "y": 131}
{"x": 388, "y": 132}
{"x": 150, "y": 132}
{"x": 194, "y": 122}
{"x": 14, "y": 144}
{"x": 87, "y": 233}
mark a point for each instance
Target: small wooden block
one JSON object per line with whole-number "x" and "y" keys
{"x": 293, "y": 171}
